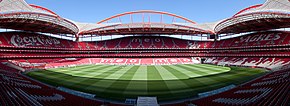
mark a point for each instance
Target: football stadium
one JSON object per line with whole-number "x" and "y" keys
{"x": 144, "y": 58}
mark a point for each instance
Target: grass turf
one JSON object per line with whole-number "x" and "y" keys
{"x": 167, "y": 82}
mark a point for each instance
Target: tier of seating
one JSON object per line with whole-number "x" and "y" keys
{"x": 271, "y": 63}
{"x": 269, "y": 90}
{"x": 30, "y": 50}
{"x": 144, "y": 54}
{"x": 21, "y": 39}
{"x": 259, "y": 39}
{"x": 18, "y": 90}
{"x": 67, "y": 62}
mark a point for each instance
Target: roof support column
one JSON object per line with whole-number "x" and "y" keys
{"x": 77, "y": 37}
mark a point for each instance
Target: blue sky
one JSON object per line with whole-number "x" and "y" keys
{"x": 92, "y": 11}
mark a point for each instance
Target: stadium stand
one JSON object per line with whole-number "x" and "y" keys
{"x": 258, "y": 47}
{"x": 48, "y": 52}
{"x": 269, "y": 90}
{"x": 17, "y": 89}
{"x": 259, "y": 61}
{"x": 255, "y": 62}
{"x": 260, "y": 39}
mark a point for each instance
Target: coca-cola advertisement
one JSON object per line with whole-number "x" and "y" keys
{"x": 33, "y": 40}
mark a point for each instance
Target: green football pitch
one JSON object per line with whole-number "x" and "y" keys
{"x": 166, "y": 82}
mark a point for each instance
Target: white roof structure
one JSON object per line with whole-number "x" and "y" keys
{"x": 16, "y": 13}
{"x": 14, "y": 6}
{"x": 204, "y": 26}
{"x": 270, "y": 15}
{"x": 280, "y": 6}
{"x": 90, "y": 26}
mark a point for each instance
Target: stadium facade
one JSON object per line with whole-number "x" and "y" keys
{"x": 29, "y": 47}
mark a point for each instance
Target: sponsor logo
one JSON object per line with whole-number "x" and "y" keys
{"x": 186, "y": 60}
{"x": 120, "y": 60}
{"x": 259, "y": 37}
{"x": 146, "y": 40}
{"x": 160, "y": 60}
{"x": 107, "y": 60}
{"x": 173, "y": 60}
{"x": 133, "y": 60}
{"x": 18, "y": 40}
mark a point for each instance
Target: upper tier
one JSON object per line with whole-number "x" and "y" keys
{"x": 33, "y": 40}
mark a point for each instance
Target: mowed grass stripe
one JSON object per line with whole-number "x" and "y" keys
{"x": 204, "y": 71}
{"x": 155, "y": 84}
{"x": 221, "y": 80}
{"x": 92, "y": 69}
{"x": 209, "y": 67}
{"x": 206, "y": 68}
{"x": 128, "y": 73}
{"x": 119, "y": 73}
{"x": 168, "y": 75}
{"x": 185, "y": 71}
{"x": 181, "y": 87}
{"x": 86, "y": 67}
{"x": 141, "y": 73}
{"x": 136, "y": 88}
{"x": 101, "y": 83}
{"x": 192, "y": 72}
{"x": 72, "y": 69}
{"x": 51, "y": 76}
{"x": 153, "y": 74}
{"x": 81, "y": 70}
{"x": 107, "y": 72}
{"x": 87, "y": 75}
{"x": 66, "y": 68}
{"x": 237, "y": 76}
{"x": 93, "y": 75}
{"x": 175, "y": 72}
{"x": 201, "y": 70}
{"x": 199, "y": 73}
{"x": 97, "y": 86}
{"x": 138, "y": 84}
{"x": 165, "y": 74}
{"x": 118, "y": 87}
